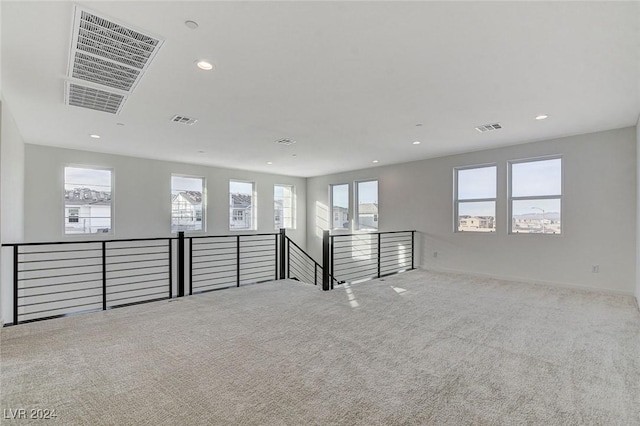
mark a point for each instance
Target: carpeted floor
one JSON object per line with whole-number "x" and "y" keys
{"x": 417, "y": 348}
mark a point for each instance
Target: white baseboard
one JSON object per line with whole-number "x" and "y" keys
{"x": 530, "y": 281}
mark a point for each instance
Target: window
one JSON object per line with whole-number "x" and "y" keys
{"x": 535, "y": 196}
{"x": 87, "y": 200}
{"x": 187, "y": 203}
{"x": 339, "y": 206}
{"x": 241, "y": 206}
{"x": 367, "y": 205}
{"x": 475, "y": 199}
{"x": 284, "y": 206}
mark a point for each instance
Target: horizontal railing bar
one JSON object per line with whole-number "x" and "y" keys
{"x": 395, "y": 255}
{"x": 66, "y": 259}
{"x": 58, "y": 300}
{"x": 109, "y": 256}
{"x": 44, "y": 243}
{"x": 233, "y": 236}
{"x": 53, "y": 268}
{"x": 134, "y": 269}
{"x": 369, "y": 233}
{"x": 244, "y": 250}
{"x": 59, "y": 292}
{"x": 139, "y": 275}
{"x": 216, "y": 278}
{"x": 302, "y": 251}
{"x": 136, "y": 282}
{"x": 306, "y": 275}
{"x": 135, "y": 297}
{"x": 59, "y": 309}
{"x": 363, "y": 267}
{"x": 138, "y": 247}
{"x": 140, "y": 302}
{"x": 58, "y": 276}
{"x": 226, "y": 253}
{"x": 158, "y": 259}
{"x": 215, "y": 272}
{"x": 214, "y": 289}
{"x": 257, "y": 267}
{"x": 64, "y": 283}
{"x": 24, "y": 253}
{"x": 137, "y": 289}
{"x": 230, "y": 260}
{"x": 339, "y": 262}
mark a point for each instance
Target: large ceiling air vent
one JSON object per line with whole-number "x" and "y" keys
{"x": 285, "y": 141}
{"x": 95, "y": 99}
{"x": 488, "y": 127}
{"x": 108, "y": 53}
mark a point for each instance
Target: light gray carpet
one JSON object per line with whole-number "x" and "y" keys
{"x": 417, "y": 348}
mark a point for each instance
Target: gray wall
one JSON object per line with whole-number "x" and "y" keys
{"x": 142, "y": 191}
{"x": 599, "y": 214}
{"x": 12, "y": 208}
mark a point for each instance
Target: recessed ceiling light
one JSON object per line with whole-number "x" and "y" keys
{"x": 541, "y": 117}
{"x": 119, "y": 124}
{"x": 375, "y": 161}
{"x": 269, "y": 162}
{"x": 204, "y": 65}
{"x": 201, "y": 152}
{"x": 94, "y": 136}
{"x": 419, "y": 125}
{"x": 416, "y": 142}
{"x": 191, "y": 24}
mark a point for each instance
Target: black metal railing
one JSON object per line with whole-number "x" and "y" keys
{"x": 356, "y": 257}
{"x": 60, "y": 278}
{"x": 52, "y": 279}
{"x": 232, "y": 260}
{"x": 301, "y": 266}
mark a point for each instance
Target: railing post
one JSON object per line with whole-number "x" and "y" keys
{"x": 412, "y": 247}
{"x": 325, "y": 261}
{"x": 331, "y": 257}
{"x": 379, "y": 234}
{"x": 283, "y": 258}
{"x": 15, "y": 285}
{"x": 104, "y": 275}
{"x": 170, "y": 268}
{"x": 288, "y": 259}
{"x": 190, "y": 266}
{"x": 180, "y": 264}
{"x": 237, "y": 260}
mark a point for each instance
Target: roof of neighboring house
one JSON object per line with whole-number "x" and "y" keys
{"x": 84, "y": 196}
{"x": 368, "y": 208}
{"x": 241, "y": 200}
{"x": 194, "y": 197}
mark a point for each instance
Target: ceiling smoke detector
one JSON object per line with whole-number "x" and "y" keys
{"x": 489, "y": 127}
{"x": 287, "y": 142}
{"x": 184, "y": 120}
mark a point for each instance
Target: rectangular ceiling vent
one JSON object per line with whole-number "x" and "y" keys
{"x": 184, "y": 120}
{"x": 92, "y": 98}
{"x": 489, "y": 127}
{"x": 109, "y": 53}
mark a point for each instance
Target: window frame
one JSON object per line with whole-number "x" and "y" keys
{"x": 331, "y": 186}
{"x": 111, "y": 205}
{"x": 511, "y": 198}
{"x": 293, "y": 206}
{"x": 254, "y": 209}
{"x": 356, "y": 205}
{"x": 204, "y": 204}
{"x": 457, "y": 201}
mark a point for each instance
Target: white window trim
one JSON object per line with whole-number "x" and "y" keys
{"x": 457, "y": 201}
{"x": 204, "y": 204}
{"x": 101, "y": 235}
{"x": 356, "y": 206}
{"x": 294, "y": 203}
{"x": 254, "y": 206}
{"x": 535, "y": 197}
{"x": 349, "y": 217}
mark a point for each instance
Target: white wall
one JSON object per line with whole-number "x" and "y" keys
{"x": 142, "y": 195}
{"x": 12, "y": 208}
{"x": 598, "y": 223}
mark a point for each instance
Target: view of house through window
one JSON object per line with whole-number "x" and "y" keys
{"x": 87, "y": 200}
{"x": 284, "y": 206}
{"x": 339, "y": 206}
{"x": 536, "y": 196}
{"x": 187, "y": 206}
{"x": 367, "y": 205}
{"x": 475, "y": 199}
{"x": 241, "y": 205}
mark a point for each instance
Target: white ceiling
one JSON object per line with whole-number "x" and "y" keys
{"x": 348, "y": 81}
